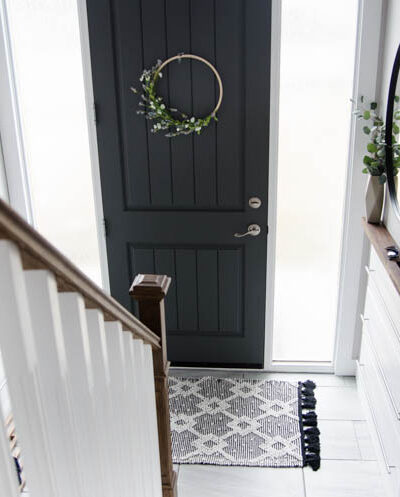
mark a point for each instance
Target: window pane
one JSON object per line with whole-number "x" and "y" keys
{"x": 317, "y": 65}
{"x": 49, "y": 77}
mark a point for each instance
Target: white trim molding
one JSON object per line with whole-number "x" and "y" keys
{"x": 10, "y": 127}
{"x": 272, "y": 177}
{"x": 354, "y": 248}
{"x": 92, "y": 133}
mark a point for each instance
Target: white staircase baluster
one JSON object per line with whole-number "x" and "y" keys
{"x": 52, "y": 366}
{"x": 143, "y": 416}
{"x": 133, "y": 402}
{"x": 81, "y": 386}
{"x": 21, "y": 367}
{"x": 151, "y": 423}
{"x": 113, "y": 334}
{"x": 103, "y": 403}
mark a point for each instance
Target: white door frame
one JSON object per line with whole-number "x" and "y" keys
{"x": 355, "y": 249}
{"x": 14, "y": 167}
{"x": 352, "y": 281}
{"x": 92, "y": 133}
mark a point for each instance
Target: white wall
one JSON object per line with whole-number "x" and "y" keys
{"x": 391, "y": 41}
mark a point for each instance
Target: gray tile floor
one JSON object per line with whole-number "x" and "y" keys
{"x": 348, "y": 467}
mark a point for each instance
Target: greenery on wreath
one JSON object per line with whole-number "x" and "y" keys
{"x": 167, "y": 119}
{"x": 375, "y": 128}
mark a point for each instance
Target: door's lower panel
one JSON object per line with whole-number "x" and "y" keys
{"x": 206, "y": 297}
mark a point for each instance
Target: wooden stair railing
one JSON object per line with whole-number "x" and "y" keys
{"x": 88, "y": 401}
{"x": 150, "y": 290}
{"x": 37, "y": 253}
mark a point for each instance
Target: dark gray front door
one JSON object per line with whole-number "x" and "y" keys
{"x": 172, "y": 206}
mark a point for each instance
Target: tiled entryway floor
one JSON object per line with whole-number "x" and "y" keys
{"x": 348, "y": 467}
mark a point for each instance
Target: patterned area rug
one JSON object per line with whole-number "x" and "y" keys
{"x": 243, "y": 422}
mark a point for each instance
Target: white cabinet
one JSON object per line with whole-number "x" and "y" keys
{"x": 378, "y": 375}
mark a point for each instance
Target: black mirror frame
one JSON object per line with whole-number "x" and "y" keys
{"x": 388, "y": 134}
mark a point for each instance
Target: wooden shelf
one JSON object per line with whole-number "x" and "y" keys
{"x": 380, "y": 238}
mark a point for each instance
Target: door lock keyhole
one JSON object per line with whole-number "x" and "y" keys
{"x": 254, "y": 202}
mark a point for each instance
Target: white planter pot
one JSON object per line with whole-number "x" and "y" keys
{"x": 374, "y": 200}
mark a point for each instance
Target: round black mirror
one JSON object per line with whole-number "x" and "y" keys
{"x": 392, "y": 135}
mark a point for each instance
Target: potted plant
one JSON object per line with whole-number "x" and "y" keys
{"x": 374, "y": 161}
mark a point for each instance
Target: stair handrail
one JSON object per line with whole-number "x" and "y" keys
{"x": 37, "y": 253}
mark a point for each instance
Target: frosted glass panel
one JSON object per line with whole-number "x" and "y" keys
{"x": 317, "y": 65}
{"x": 50, "y": 88}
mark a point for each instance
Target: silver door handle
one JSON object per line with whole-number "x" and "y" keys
{"x": 252, "y": 230}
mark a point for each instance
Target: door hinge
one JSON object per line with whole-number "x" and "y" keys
{"x": 94, "y": 108}
{"x": 105, "y": 228}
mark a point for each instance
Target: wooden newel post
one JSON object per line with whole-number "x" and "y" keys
{"x": 149, "y": 290}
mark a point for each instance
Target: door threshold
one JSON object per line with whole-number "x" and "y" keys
{"x": 276, "y": 367}
{"x": 302, "y": 367}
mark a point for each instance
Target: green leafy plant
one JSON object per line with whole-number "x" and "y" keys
{"x": 167, "y": 119}
{"x": 374, "y": 127}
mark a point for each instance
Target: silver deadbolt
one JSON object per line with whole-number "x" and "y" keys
{"x": 254, "y": 202}
{"x": 252, "y": 230}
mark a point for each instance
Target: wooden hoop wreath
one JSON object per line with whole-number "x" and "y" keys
{"x": 154, "y": 108}
{"x": 196, "y": 57}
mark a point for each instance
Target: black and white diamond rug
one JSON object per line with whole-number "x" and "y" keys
{"x": 243, "y": 422}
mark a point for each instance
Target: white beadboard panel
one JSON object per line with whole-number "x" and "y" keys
{"x": 224, "y": 481}
{"x": 21, "y": 367}
{"x": 52, "y": 366}
{"x": 344, "y": 479}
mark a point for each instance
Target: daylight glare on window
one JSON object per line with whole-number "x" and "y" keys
{"x": 316, "y": 78}
{"x": 48, "y": 70}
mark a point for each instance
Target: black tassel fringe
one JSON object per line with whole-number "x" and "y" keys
{"x": 308, "y": 424}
